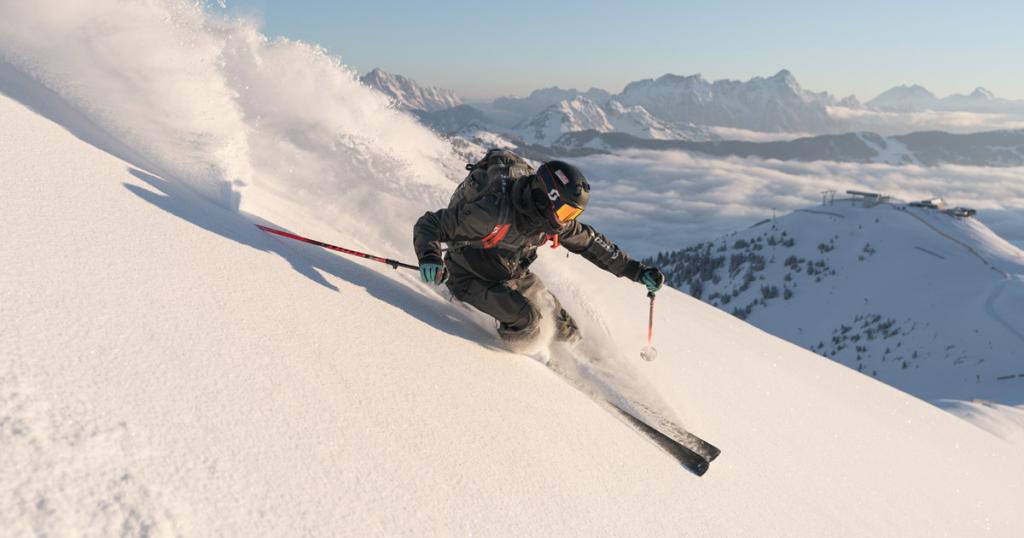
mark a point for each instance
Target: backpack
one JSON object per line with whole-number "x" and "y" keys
{"x": 498, "y": 168}
{"x": 491, "y": 175}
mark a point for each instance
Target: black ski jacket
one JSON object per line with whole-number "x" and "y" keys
{"x": 472, "y": 231}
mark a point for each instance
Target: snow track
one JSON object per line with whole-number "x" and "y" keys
{"x": 990, "y": 309}
{"x": 911, "y": 212}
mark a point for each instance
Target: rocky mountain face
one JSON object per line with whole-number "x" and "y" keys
{"x": 540, "y": 100}
{"x": 581, "y": 114}
{"x": 409, "y": 95}
{"x": 772, "y": 104}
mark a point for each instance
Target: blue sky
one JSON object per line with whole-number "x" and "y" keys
{"x": 487, "y": 49}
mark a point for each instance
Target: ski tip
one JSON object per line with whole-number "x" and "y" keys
{"x": 700, "y": 468}
{"x": 712, "y": 454}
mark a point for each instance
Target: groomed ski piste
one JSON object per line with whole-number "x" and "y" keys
{"x": 166, "y": 368}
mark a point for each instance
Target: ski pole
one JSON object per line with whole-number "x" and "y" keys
{"x": 648, "y": 353}
{"x": 394, "y": 264}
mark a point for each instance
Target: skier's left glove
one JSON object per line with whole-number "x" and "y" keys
{"x": 652, "y": 278}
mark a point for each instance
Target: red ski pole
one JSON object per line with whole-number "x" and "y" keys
{"x": 648, "y": 353}
{"x": 394, "y": 264}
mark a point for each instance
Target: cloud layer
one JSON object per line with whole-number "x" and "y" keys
{"x": 953, "y": 121}
{"x": 651, "y": 201}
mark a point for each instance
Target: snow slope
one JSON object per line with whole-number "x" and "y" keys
{"x": 923, "y": 300}
{"x": 166, "y": 368}
{"x": 578, "y": 114}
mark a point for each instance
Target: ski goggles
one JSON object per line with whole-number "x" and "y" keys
{"x": 564, "y": 210}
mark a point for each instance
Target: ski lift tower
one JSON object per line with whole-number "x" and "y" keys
{"x": 827, "y": 197}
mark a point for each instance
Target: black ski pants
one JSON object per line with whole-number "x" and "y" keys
{"x": 514, "y": 302}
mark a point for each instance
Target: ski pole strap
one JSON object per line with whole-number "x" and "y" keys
{"x": 393, "y": 263}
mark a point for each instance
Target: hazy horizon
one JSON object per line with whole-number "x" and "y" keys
{"x": 487, "y": 51}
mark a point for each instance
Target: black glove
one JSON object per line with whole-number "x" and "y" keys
{"x": 652, "y": 278}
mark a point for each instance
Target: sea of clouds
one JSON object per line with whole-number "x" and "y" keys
{"x": 653, "y": 201}
{"x": 953, "y": 121}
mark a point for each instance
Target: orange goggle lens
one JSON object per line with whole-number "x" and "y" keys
{"x": 566, "y": 212}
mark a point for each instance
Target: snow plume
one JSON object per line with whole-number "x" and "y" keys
{"x": 213, "y": 103}
{"x": 651, "y": 201}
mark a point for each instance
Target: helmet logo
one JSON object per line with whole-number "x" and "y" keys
{"x": 553, "y": 195}
{"x": 561, "y": 176}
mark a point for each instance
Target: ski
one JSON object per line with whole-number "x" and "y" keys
{"x": 692, "y": 452}
{"x": 681, "y": 435}
{"x": 692, "y": 461}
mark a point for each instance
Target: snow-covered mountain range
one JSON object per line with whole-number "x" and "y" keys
{"x": 924, "y": 298}
{"x": 916, "y": 98}
{"x": 693, "y": 110}
{"x": 769, "y": 104}
{"x": 408, "y": 94}
{"x": 581, "y": 114}
{"x": 544, "y": 98}
{"x": 669, "y": 108}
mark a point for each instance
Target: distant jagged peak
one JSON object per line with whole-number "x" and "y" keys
{"x": 915, "y": 88}
{"x": 594, "y": 94}
{"x": 906, "y": 89}
{"x": 578, "y": 102}
{"x": 904, "y": 97}
{"x": 577, "y": 113}
{"x": 539, "y": 100}
{"x": 785, "y": 77}
{"x": 616, "y": 107}
{"x": 669, "y": 78}
{"x": 982, "y": 94}
{"x": 379, "y": 74}
{"x": 915, "y": 97}
{"x": 784, "y": 80}
{"x": 850, "y": 101}
{"x": 784, "y": 74}
{"x": 410, "y": 95}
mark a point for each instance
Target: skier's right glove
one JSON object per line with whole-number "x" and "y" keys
{"x": 434, "y": 273}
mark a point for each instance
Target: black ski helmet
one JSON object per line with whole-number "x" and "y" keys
{"x": 564, "y": 188}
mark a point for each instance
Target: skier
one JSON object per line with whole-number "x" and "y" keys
{"x": 493, "y": 228}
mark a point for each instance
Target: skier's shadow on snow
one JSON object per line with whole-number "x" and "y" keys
{"x": 309, "y": 261}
